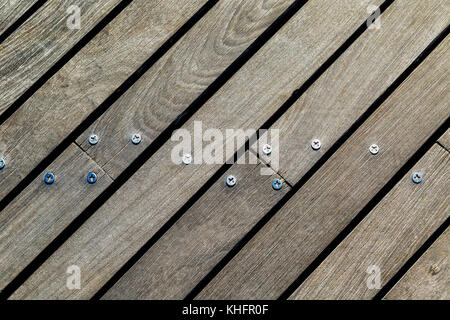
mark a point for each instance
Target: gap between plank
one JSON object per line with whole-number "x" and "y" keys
{"x": 16, "y": 25}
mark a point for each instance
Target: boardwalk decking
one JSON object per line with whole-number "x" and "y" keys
{"x": 150, "y": 228}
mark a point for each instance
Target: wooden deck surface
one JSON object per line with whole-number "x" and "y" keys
{"x": 152, "y": 228}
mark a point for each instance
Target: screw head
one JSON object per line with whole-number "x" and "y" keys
{"x": 316, "y": 144}
{"x": 136, "y": 138}
{"x": 93, "y": 139}
{"x": 92, "y": 178}
{"x": 417, "y": 177}
{"x": 231, "y": 181}
{"x": 186, "y": 159}
{"x": 374, "y": 149}
{"x": 2, "y": 163}
{"x": 267, "y": 149}
{"x": 49, "y": 178}
{"x": 277, "y": 184}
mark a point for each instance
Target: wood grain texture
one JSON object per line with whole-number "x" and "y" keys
{"x": 429, "y": 277}
{"x": 444, "y": 141}
{"x": 41, "y": 41}
{"x": 140, "y": 207}
{"x": 11, "y": 10}
{"x": 337, "y": 192}
{"x": 205, "y": 234}
{"x": 85, "y": 82}
{"x": 42, "y": 211}
{"x": 392, "y": 232}
{"x": 350, "y": 86}
{"x": 177, "y": 79}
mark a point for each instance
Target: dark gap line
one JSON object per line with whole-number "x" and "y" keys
{"x": 442, "y": 146}
{"x": 412, "y": 260}
{"x": 182, "y": 119}
{"x": 286, "y": 105}
{"x": 366, "y": 210}
{"x": 64, "y": 59}
{"x": 116, "y": 184}
{"x": 26, "y": 15}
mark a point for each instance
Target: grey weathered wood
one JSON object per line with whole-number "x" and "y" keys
{"x": 11, "y": 10}
{"x": 41, "y": 41}
{"x": 429, "y": 277}
{"x": 138, "y": 209}
{"x": 85, "y": 82}
{"x": 337, "y": 192}
{"x": 387, "y": 237}
{"x": 345, "y": 91}
{"x": 204, "y": 234}
{"x": 444, "y": 141}
{"x": 42, "y": 211}
{"x": 174, "y": 82}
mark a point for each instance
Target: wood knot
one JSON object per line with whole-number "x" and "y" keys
{"x": 434, "y": 269}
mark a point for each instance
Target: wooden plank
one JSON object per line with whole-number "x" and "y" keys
{"x": 429, "y": 278}
{"x": 204, "y": 234}
{"x": 85, "y": 82}
{"x": 42, "y": 211}
{"x": 177, "y": 79}
{"x": 138, "y": 209}
{"x": 444, "y": 141}
{"x": 41, "y": 41}
{"x": 337, "y": 192}
{"x": 387, "y": 237}
{"x": 350, "y": 86}
{"x": 11, "y": 10}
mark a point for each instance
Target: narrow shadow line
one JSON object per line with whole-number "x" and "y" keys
{"x": 64, "y": 59}
{"x": 77, "y": 222}
{"x": 411, "y": 261}
{"x": 16, "y": 25}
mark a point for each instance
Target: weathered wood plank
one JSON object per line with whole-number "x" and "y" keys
{"x": 429, "y": 278}
{"x": 177, "y": 79}
{"x": 11, "y": 10}
{"x": 203, "y": 235}
{"x": 387, "y": 237}
{"x": 41, "y": 41}
{"x": 138, "y": 209}
{"x": 337, "y": 192}
{"x": 85, "y": 82}
{"x": 42, "y": 211}
{"x": 345, "y": 91}
{"x": 445, "y": 140}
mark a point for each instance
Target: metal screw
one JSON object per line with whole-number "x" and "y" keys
{"x": 93, "y": 139}
{"x": 2, "y": 163}
{"x": 92, "y": 178}
{"x": 231, "y": 181}
{"x": 417, "y": 177}
{"x": 136, "y": 138}
{"x": 49, "y": 178}
{"x": 277, "y": 184}
{"x": 187, "y": 159}
{"x": 267, "y": 149}
{"x": 316, "y": 144}
{"x": 374, "y": 149}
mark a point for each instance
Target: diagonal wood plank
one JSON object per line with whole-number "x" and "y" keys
{"x": 85, "y": 82}
{"x": 338, "y": 191}
{"x": 11, "y": 10}
{"x": 238, "y": 12}
{"x": 349, "y": 87}
{"x": 138, "y": 209}
{"x": 429, "y": 278}
{"x": 444, "y": 141}
{"x": 41, "y": 41}
{"x": 42, "y": 211}
{"x": 203, "y": 235}
{"x": 387, "y": 237}
{"x": 176, "y": 80}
